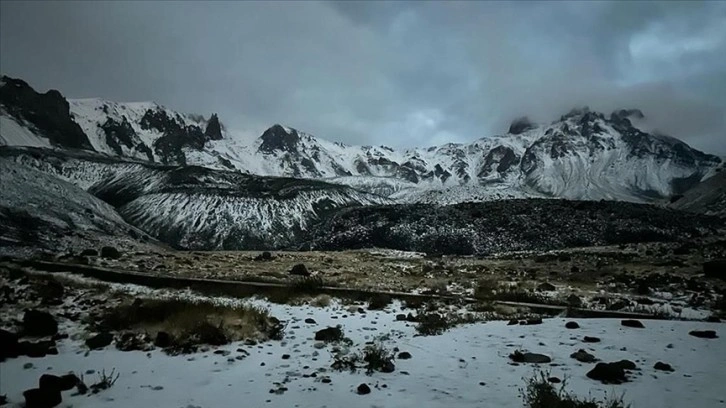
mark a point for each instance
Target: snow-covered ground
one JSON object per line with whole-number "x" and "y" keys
{"x": 467, "y": 366}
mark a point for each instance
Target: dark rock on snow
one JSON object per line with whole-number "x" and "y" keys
{"x": 62, "y": 383}
{"x": 8, "y": 345}
{"x": 632, "y": 323}
{"x": 704, "y": 334}
{"x": 611, "y": 373}
{"x": 42, "y": 398}
{"x": 663, "y": 366}
{"x": 363, "y": 389}
{"x": 532, "y": 358}
{"x": 404, "y": 355}
{"x": 99, "y": 341}
{"x": 39, "y": 323}
{"x": 572, "y": 325}
{"x": 329, "y": 334}
{"x": 163, "y": 339}
{"x": 583, "y": 356}
{"x": 37, "y": 349}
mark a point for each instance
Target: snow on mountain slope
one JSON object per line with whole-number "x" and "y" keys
{"x": 582, "y": 155}
{"x": 708, "y": 197}
{"x": 13, "y": 133}
{"x": 194, "y": 207}
{"x": 39, "y": 211}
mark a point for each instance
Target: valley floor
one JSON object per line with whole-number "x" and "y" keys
{"x": 467, "y": 366}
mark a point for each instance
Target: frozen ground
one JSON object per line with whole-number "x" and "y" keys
{"x": 465, "y": 367}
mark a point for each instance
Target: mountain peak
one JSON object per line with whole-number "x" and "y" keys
{"x": 214, "y": 128}
{"x": 521, "y": 125}
{"x": 279, "y": 138}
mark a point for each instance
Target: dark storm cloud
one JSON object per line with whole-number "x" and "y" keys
{"x": 396, "y": 73}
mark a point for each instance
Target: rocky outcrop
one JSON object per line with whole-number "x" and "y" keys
{"x": 49, "y": 113}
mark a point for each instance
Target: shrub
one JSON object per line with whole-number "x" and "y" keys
{"x": 378, "y": 358}
{"x": 432, "y": 324}
{"x": 310, "y": 285}
{"x": 485, "y": 288}
{"x": 540, "y": 393}
{"x": 321, "y": 301}
{"x": 379, "y": 301}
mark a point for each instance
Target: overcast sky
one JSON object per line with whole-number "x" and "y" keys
{"x": 396, "y": 73}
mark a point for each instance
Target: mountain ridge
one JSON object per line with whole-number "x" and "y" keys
{"x": 583, "y": 155}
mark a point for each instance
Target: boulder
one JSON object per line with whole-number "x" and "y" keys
{"x": 572, "y": 325}
{"x": 588, "y": 339}
{"x": 42, "y": 398}
{"x": 51, "y": 292}
{"x": 663, "y": 367}
{"x": 404, "y": 355}
{"x": 536, "y": 320}
{"x": 546, "y": 287}
{"x": 9, "y": 347}
{"x": 583, "y": 356}
{"x": 53, "y": 382}
{"x": 363, "y": 389}
{"x": 532, "y": 358}
{"x": 329, "y": 334}
{"x": 265, "y": 256}
{"x": 37, "y": 349}
{"x": 715, "y": 269}
{"x": 163, "y": 339}
{"x": 300, "y": 270}
{"x": 704, "y": 334}
{"x": 89, "y": 252}
{"x": 99, "y": 341}
{"x": 109, "y": 252}
{"x": 611, "y": 373}
{"x": 574, "y": 301}
{"x": 39, "y": 323}
{"x": 632, "y": 323}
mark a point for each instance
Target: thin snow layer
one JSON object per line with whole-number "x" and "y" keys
{"x": 38, "y": 209}
{"x": 13, "y": 133}
{"x": 219, "y": 221}
{"x": 198, "y": 208}
{"x": 445, "y": 371}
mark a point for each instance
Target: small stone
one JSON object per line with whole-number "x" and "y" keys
{"x": 572, "y": 325}
{"x": 663, "y": 367}
{"x": 404, "y": 355}
{"x": 363, "y": 389}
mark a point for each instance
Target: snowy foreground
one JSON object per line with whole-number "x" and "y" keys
{"x": 466, "y": 367}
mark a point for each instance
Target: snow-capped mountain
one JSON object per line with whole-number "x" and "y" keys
{"x": 189, "y": 207}
{"x": 582, "y": 155}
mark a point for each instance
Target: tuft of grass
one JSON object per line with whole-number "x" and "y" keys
{"x": 105, "y": 381}
{"x": 525, "y": 296}
{"x": 540, "y": 393}
{"x": 374, "y": 357}
{"x": 308, "y": 285}
{"x": 378, "y": 358}
{"x": 191, "y": 323}
{"x": 321, "y": 301}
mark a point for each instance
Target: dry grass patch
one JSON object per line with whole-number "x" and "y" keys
{"x": 190, "y": 322}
